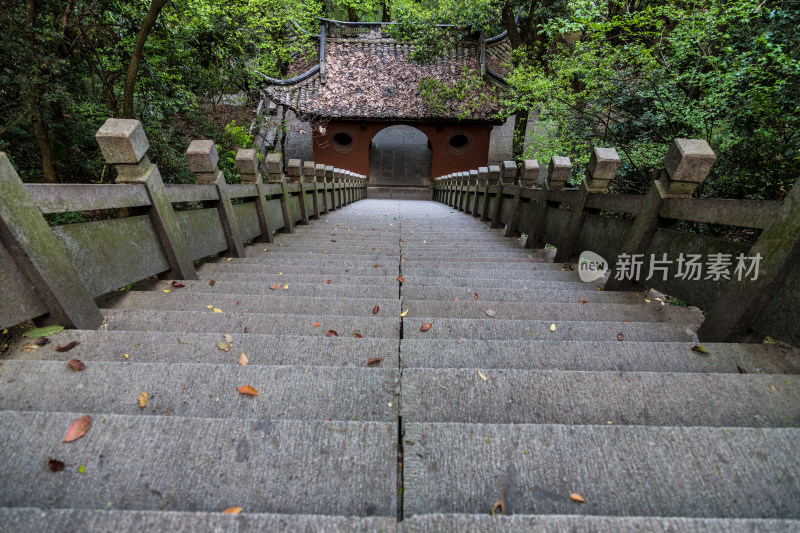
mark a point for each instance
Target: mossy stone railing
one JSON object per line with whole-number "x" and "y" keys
{"x": 54, "y": 273}
{"x": 613, "y": 225}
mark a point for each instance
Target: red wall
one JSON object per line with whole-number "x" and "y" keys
{"x": 444, "y": 158}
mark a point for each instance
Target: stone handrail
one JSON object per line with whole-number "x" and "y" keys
{"x": 54, "y": 273}
{"x": 589, "y": 219}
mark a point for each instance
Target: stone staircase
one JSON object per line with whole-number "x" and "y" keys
{"x": 517, "y": 397}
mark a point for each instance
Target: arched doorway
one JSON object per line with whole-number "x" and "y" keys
{"x": 400, "y": 156}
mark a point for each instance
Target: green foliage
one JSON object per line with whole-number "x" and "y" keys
{"x": 235, "y": 137}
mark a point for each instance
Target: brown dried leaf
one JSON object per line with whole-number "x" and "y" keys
{"x": 78, "y": 429}
{"x": 232, "y": 510}
{"x": 55, "y": 465}
{"x": 331, "y": 333}
{"x": 426, "y": 326}
{"x": 248, "y": 390}
{"x": 491, "y": 312}
{"x": 376, "y": 309}
{"x": 275, "y": 287}
{"x": 499, "y": 507}
{"x": 357, "y": 335}
{"x": 333, "y": 240}
{"x": 328, "y": 282}
{"x": 316, "y": 324}
{"x": 401, "y": 279}
{"x": 475, "y": 295}
{"x": 41, "y": 341}
{"x": 374, "y": 361}
{"x": 76, "y": 364}
{"x": 211, "y": 282}
{"x": 376, "y": 266}
{"x": 68, "y": 347}
{"x": 143, "y": 399}
{"x": 228, "y": 338}
{"x": 402, "y": 240}
{"x": 583, "y": 301}
{"x": 620, "y": 336}
{"x": 178, "y": 285}
{"x": 576, "y": 498}
{"x": 243, "y": 361}
{"x": 224, "y": 346}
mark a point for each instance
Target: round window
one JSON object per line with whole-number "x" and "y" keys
{"x": 458, "y": 143}
{"x": 342, "y": 141}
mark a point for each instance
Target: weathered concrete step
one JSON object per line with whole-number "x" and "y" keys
{"x": 319, "y": 288}
{"x": 235, "y": 323}
{"x": 612, "y": 355}
{"x": 320, "y": 253}
{"x": 618, "y": 470}
{"x": 540, "y": 330}
{"x": 350, "y": 250}
{"x": 517, "y": 282}
{"x": 336, "y": 270}
{"x": 471, "y": 263}
{"x": 308, "y": 262}
{"x": 628, "y": 398}
{"x": 471, "y": 256}
{"x": 30, "y": 520}
{"x": 501, "y": 286}
{"x": 199, "y": 464}
{"x": 172, "y": 347}
{"x": 597, "y": 312}
{"x": 552, "y": 294}
{"x": 458, "y": 272}
{"x": 250, "y": 282}
{"x": 203, "y": 390}
{"x": 278, "y": 301}
{"x": 464, "y": 523}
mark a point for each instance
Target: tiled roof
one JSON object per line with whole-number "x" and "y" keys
{"x": 372, "y": 76}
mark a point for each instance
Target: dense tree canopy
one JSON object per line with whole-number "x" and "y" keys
{"x": 631, "y": 74}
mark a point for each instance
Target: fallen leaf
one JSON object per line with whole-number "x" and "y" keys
{"x": 376, "y": 266}
{"x": 165, "y": 290}
{"x": 376, "y": 309}
{"x": 583, "y": 301}
{"x": 404, "y": 313}
{"x": 455, "y": 299}
{"x": 211, "y": 282}
{"x": 552, "y": 327}
{"x": 491, "y": 312}
{"x": 743, "y": 371}
{"x": 698, "y": 348}
{"x": 55, "y": 465}
{"x": 42, "y": 332}
{"x": 28, "y": 347}
{"x": 324, "y": 252}
{"x": 232, "y": 510}
{"x": 143, "y": 399}
{"x": 357, "y": 335}
{"x": 78, "y": 429}
{"x": 480, "y": 375}
{"x": 475, "y": 295}
{"x": 248, "y": 390}
{"x": 228, "y": 338}
{"x": 599, "y": 288}
{"x": 76, "y": 364}
{"x": 426, "y": 326}
{"x": 620, "y": 336}
{"x": 646, "y": 300}
{"x": 178, "y": 285}
{"x": 499, "y": 507}
{"x": 402, "y": 240}
{"x": 576, "y": 498}
{"x": 328, "y": 282}
{"x": 243, "y": 359}
{"x": 374, "y": 361}
{"x": 210, "y": 306}
{"x": 333, "y": 240}
{"x": 217, "y": 310}
{"x": 331, "y": 333}
{"x": 41, "y": 341}
{"x": 316, "y": 324}
{"x": 223, "y": 346}
{"x": 82, "y": 469}
{"x": 228, "y": 259}
{"x": 285, "y": 287}
{"x": 125, "y": 356}
{"x": 373, "y": 248}
{"x": 401, "y": 279}
{"x": 68, "y": 347}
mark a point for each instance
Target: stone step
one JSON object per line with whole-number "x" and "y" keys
{"x": 513, "y": 396}
{"x": 619, "y": 470}
{"x": 340, "y": 269}
{"x": 518, "y": 277}
{"x": 519, "y": 282}
{"x": 470, "y": 308}
{"x": 554, "y": 283}
{"x": 486, "y": 264}
{"x": 552, "y": 294}
{"x": 540, "y": 330}
{"x": 237, "y": 323}
{"x": 204, "y": 390}
{"x": 320, "y": 253}
{"x": 172, "y": 347}
{"x": 198, "y": 464}
{"x": 470, "y": 256}
{"x": 484, "y": 523}
{"x": 31, "y": 520}
{"x": 248, "y": 283}
{"x": 354, "y": 250}
{"x": 612, "y": 355}
{"x": 309, "y": 262}
{"x": 278, "y": 301}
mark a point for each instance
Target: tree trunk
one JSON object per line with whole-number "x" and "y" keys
{"x": 37, "y": 115}
{"x": 520, "y": 127}
{"x": 386, "y": 16}
{"x": 352, "y": 14}
{"x": 138, "y": 52}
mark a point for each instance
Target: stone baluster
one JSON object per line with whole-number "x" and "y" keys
{"x": 294, "y": 171}
{"x": 472, "y": 201}
{"x": 247, "y": 167}
{"x": 510, "y": 172}
{"x": 330, "y": 179}
{"x": 530, "y": 174}
{"x": 558, "y": 173}
{"x": 483, "y": 177}
{"x": 275, "y": 173}
{"x": 319, "y": 173}
{"x": 309, "y": 177}
{"x": 496, "y": 176}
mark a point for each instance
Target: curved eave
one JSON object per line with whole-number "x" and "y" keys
{"x": 496, "y": 77}
{"x": 291, "y": 81}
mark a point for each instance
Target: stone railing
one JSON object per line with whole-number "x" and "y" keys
{"x": 587, "y": 219}
{"x": 56, "y": 272}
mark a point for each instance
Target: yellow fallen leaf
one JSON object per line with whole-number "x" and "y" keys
{"x": 165, "y": 290}
{"x": 232, "y": 510}
{"x": 210, "y": 306}
{"x": 217, "y": 310}
{"x": 143, "y": 400}
{"x": 480, "y": 375}
{"x": 247, "y": 389}
{"x": 646, "y": 300}
{"x": 576, "y": 498}
{"x": 285, "y": 287}
{"x": 404, "y": 313}
{"x": 243, "y": 359}
{"x": 229, "y": 258}
{"x": 5, "y": 331}
{"x": 125, "y": 355}
{"x": 552, "y": 327}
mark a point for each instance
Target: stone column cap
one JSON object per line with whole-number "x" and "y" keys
{"x": 202, "y": 156}
{"x": 122, "y": 141}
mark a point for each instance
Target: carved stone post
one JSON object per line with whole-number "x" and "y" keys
{"x": 275, "y": 172}
{"x": 124, "y": 145}
{"x": 310, "y": 178}
{"x": 558, "y": 172}
{"x": 495, "y": 176}
{"x": 472, "y": 194}
{"x": 687, "y": 163}
{"x": 530, "y": 173}
{"x": 603, "y": 166}
{"x": 483, "y": 175}
{"x": 319, "y": 173}
{"x": 511, "y": 173}
{"x": 330, "y": 178}
{"x": 247, "y": 167}
{"x": 294, "y": 169}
